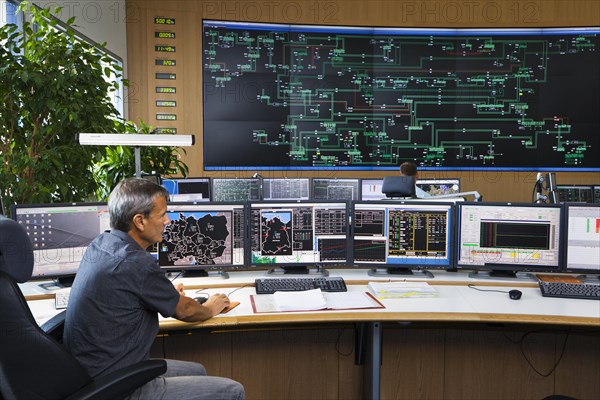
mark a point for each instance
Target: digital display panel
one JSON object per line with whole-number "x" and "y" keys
{"x": 336, "y": 189}
{"x": 314, "y": 97}
{"x": 284, "y": 189}
{"x": 583, "y": 238}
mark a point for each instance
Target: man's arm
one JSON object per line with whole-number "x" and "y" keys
{"x": 189, "y": 310}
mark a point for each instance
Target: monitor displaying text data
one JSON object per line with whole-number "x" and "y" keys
{"x": 402, "y": 236}
{"x": 236, "y": 189}
{"x": 345, "y": 189}
{"x": 60, "y": 234}
{"x": 187, "y": 189}
{"x": 286, "y": 189}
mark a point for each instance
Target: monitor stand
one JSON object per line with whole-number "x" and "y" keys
{"x": 58, "y": 283}
{"x": 202, "y": 273}
{"x": 504, "y": 275}
{"x": 319, "y": 271}
{"x": 416, "y": 273}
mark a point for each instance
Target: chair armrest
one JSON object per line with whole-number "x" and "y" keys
{"x": 121, "y": 383}
{"x": 55, "y": 326}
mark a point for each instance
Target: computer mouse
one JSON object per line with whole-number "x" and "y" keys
{"x": 201, "y": 299}
{"x": 515, "y": 294}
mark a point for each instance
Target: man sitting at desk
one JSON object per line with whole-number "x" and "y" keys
{"x": 119, "y": 289}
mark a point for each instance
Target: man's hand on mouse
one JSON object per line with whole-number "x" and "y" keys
{"x": 217, "y": 302}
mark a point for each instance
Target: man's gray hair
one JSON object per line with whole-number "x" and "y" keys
{"x": 130, "y": 197}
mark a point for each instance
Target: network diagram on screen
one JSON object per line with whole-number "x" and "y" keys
{"x": 308, "y": 97}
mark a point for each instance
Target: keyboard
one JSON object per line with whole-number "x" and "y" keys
{"x": 571, "y": 290}
{"x": 272, "y": 285}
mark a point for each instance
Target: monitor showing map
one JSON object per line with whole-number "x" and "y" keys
{"x": 203, "y": 237}
{"x": 298, "y": 236}
{"x": 439, "y": 187}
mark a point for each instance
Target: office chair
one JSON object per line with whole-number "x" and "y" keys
{"x": 34, "y": 366}
{"x": 399, "y": 186}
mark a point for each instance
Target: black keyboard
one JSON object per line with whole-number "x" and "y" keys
{"x": 272, "y": 285}
{"x": 571, "y": 290}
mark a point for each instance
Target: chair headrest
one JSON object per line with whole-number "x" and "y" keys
{"x": 399, "y": 186}
{"x": 16, "y": 252}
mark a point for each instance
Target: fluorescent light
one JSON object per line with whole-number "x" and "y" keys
{"x": 135, "y": 139}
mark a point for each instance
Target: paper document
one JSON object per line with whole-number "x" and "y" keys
{"x": 312, "y": 300}
{"x": 397, "y": 290}
{"x": 300, "y": 301}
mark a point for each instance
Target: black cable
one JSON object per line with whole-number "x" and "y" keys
{"x": 337, "y": 343}
{"x": 236, "y": 289}
{"x": 486, "y": 290}
{"x": 177, "y": 276}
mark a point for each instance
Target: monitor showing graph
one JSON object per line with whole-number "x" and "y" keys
{"x": 509, "y": 237}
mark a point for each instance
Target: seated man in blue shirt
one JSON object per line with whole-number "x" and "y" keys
{"x": 409, "y": 168}
{"x": 112, "y": 317}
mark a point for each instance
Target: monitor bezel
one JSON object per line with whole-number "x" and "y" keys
{"x": 63, "y": 276}
{"x": 514, "y": 268}
{"x": 301, "y": 266}
{"x": 450, "y": 224}
{"x": 351, "y": 180}
{"x": 209, "y": 267}
{"x": 566, "y": 268}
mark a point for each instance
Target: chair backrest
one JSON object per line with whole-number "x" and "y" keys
{"x": 399, "y": 186}
{"x": 32, "y": 365}
{"x": 16, "y": 252}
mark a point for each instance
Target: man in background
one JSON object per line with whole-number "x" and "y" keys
{"x": 119, "y": 289}
{"x": 409, "y": 168}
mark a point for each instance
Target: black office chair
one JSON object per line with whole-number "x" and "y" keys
{"x": 32, "y": 364}
{"x": 399, "y": 186}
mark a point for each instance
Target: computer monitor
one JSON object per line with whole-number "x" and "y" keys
{"x": 370, "y": 189}
{"x": 402, "y": 237}
{"x": 203, "y": 237}
{"x": 344, "y": 189}
{"x": 236, "y": 189}
{"x": 286, "y": 189}
{"x": 297, "y": 236}
{"x": 60, "y": 234}
{"x": 439, "y": 187}
{"x": 582, "y": 252}
{"x": 187, "y": 189}
{"x": 506, "y": 240}
{"x": 597, "y": 194}
{"x": 575, "y": 193}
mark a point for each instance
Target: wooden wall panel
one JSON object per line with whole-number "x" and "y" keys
{"x": 501, "y": 186}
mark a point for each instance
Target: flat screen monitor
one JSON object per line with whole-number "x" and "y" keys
{"x": 297, "y": 236}
{"x": 439, "y": 187}
{"x": 371, "y": 189}
{"x": 575, "y": 193}
{"x": 236, "y": 189}
{"x": 402, "y": 237}
{"x": 60, "y": 234}
{"x": 504, "y": 239}
{"x": 344, "y": 189}
{"x": 203, "y": 237}
{"x": 597, "y": 194}
{"x": 188, "y": 189}
{"x": 286, "y": 189}
{"x": 582, "y": 254}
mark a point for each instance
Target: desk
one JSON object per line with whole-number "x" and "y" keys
{"x": 445, "y": 339}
